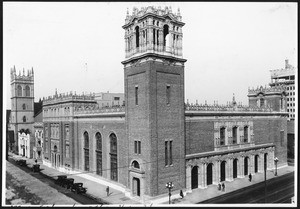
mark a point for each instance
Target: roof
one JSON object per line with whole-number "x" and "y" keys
{"x": 38, "y": 107}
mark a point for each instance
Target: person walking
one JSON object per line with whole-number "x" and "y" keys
{"x": 250, "y": 177}
{"x": 219, "y": 186}
{"x": 181, "y": 193}
{"x": 107, "y": 190}
{"x": 223, "y": 187}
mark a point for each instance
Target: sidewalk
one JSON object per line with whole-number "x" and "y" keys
{"x": 116, "y": 197}
{"x": 199, "y": 195}
{"x": 95, "y": 189}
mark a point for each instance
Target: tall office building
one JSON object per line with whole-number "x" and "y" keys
{"x": 286, "y": 78}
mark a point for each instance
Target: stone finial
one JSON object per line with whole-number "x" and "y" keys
{"x": 23, "y": 72}
{"x": 178, "y": 11}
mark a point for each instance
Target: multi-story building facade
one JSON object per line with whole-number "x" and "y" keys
{"x": 38, "y": 136}
{"x": 22, "y": 111}
{"x": 58, "y": 128}
{"x": 155, "y": 138}
{"x": 286, "y": 77}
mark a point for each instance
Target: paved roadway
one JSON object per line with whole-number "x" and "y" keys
{"x": 279, "y": 190}
{"x": 81, "y": 198}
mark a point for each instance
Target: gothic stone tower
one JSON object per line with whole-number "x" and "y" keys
{"x": 22, "y": 109}
{"x": 154, "y": 91}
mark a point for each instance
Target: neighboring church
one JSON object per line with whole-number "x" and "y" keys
{"x": 154, "y": 137}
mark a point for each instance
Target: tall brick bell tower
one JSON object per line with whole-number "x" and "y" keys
{"x": 154, "y": 91}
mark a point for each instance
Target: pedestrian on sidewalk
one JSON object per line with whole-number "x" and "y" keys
{"x": 219, "y": 186}
{"x": 223, "y": 187}
{"x": 107, "y": 190}
{"x": 181, "y": 193}
{"x": 250, "y": 177}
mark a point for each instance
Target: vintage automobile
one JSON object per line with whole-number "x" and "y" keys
{"x": 78, "y": 188}
{"x": 68, "y": 183}
{"x": 36, "y": 168}
{"x": 60, "y": 180}
{"x": 21, "y": 162}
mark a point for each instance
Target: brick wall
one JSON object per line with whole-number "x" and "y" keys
{"x": 199, "y": 136}
{"x": 105, "y": 127}
{"x": 267, "y": 130}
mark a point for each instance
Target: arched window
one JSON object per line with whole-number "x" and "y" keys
{"x": 246, "y": 134}
{"x": 86, "y": 151}
{"x": 135, "y": 164}
{"x": 234, "y": 135}
{"x": 19, "y": 91}
{"x": 98, "y": 153}
{"x": 24, "y": 119}
{"x": 113, "y": 157}
{"x": 261, "y": 102}
{"x": 222, "y": 136}
{"x": 27, "y": 91}
{"x": 137, "y": 36}
{"x": 166, "y": 32}
{"x": 24, "y": 106}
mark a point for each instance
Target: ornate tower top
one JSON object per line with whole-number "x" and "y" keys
{"x": 153, "y": 30}
{"x": 21, "y": 77}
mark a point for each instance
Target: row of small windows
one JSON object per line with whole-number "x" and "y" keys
{"x": 168, "y": 94}
{"x": 291, "y": 105}
{"x": 234, "y": 135}
{"x": 113, "y": 154}
{"x": 26, "y": 93}
{"x": 291, "y": 93}
{"x": 291, "y": 110}
{"x": 290, "y": 99}
{"x": 291, "y": 88}
{"x": 55, "y": 111}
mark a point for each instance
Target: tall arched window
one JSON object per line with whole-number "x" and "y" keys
{"x": 98, "y": 154}
{"x": 19, "y": 91}
{"x": 234, "y": 135}
{"x": 246, "y": 134}
{"x": 27, "y": 91}
{"x": 137, "y": 36}
{"x": 166, "y": 32}
{"x": 86, "y": 151}
{"x": 24, "y": 106}
{"x": 113, "y": 157}
{"x": 24, "y": 119}
{"x": 222, "y": 136}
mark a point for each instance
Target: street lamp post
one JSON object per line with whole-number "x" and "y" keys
{"x": 169, "y": 186}
{"x": 276, "y": 160}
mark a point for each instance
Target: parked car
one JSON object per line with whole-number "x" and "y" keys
{"x": 68, "y": 183}
{"x": 36, "y": 168}
{"x": 21, "y": 162}
{"x": 78, "y": 188}
{"x": 60, "y": 180}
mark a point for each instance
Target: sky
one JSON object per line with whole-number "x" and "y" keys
{"x": 79, "y": 46}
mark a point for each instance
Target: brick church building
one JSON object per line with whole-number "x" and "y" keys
{"x": 155, "y": 138}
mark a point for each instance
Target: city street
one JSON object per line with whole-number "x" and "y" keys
{"x": 279, "y": 190}
{"x": 26, "y": 187}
